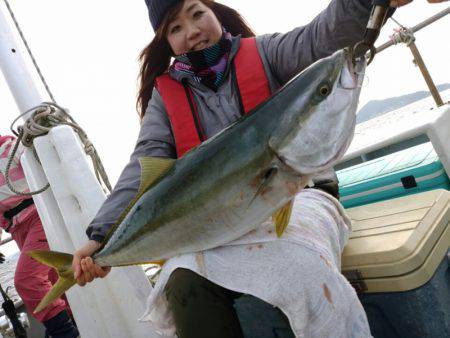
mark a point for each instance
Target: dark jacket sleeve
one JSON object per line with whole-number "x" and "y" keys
{"x": 340, "y": 25}
{"x": 155, "y": 139}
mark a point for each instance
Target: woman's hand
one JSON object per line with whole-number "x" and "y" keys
{"x": 84, "y": 268}
{"x": 399, "y": 3}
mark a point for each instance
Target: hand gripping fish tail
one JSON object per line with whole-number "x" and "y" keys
{"x": 234, "y": 181}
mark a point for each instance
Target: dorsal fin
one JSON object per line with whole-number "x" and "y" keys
{"x": 152, "y": 169}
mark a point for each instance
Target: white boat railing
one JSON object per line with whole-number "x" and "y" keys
{"x": 392, "y": 129}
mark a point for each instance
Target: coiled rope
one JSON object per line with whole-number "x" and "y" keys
{"x": 403, "y": 34}
{"x": 42, "y": 119}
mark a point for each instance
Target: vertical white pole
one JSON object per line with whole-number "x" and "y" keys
{"x": 15, "y": 71}
{"x": 106, "y": 308}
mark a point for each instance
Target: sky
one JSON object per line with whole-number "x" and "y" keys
{"x": 88, "y": 50}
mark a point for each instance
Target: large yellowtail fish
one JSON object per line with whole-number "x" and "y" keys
{"x": 231, "y": 183}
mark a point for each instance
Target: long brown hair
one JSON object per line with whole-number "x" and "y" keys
{"x": 155, "y": 58}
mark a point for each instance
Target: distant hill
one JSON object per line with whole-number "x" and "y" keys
{"x": 379, "y": 107}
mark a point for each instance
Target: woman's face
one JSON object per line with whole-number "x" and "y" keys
{"x": 194, "y": 28}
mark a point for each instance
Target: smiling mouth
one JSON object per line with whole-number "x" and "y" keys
{"x": 199, "y": 46}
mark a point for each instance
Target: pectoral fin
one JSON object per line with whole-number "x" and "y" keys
{"x": 281, "y": 218}
{"x": 266, "y": 179}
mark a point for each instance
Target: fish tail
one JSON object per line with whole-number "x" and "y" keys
{"x": 62, "y": 263}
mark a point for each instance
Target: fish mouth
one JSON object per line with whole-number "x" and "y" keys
{"x": 352, "y": 73}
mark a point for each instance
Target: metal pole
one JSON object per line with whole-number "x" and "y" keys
{"x": 409, "y": 40}
{"x": 6, "y": 240}
{"x": 417, "y": 28}
{"x": 426, "y": 75}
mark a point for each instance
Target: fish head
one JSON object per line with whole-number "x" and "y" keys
{"x": 316, "y": 128}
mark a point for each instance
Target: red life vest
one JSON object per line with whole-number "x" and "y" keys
{"x": 179, "y": 101}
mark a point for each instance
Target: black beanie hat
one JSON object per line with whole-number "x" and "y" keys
{"x": 157, "y": 9}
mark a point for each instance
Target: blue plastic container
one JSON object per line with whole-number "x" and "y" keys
{"x": 407, "y": 172}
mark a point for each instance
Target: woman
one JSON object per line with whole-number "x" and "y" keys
{"x": 298, "y": 273}
{"x": 19, "y": 217}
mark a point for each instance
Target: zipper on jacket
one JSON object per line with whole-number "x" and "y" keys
{"x": 233, "y": 74}
{"x": 198, "y": 126}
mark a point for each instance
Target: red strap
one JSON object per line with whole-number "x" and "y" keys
{"x": 179, "y": 112}
{"x": 253, "y": 86}
{"x": 251, "y": 77}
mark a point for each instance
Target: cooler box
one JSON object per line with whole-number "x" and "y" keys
{"x": 407, "y": 172}
{"x": 397, "y": 259}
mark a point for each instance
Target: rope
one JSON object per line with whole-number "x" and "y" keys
{"x": 403, "y": 34}
{"x": 8, "y": 167}
{"x": 41, "y": 76}
{"x": 42, "y": 119}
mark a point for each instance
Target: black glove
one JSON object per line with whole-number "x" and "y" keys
{"x": 2, "y": 258}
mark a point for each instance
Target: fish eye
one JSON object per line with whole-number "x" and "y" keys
{"x": 324, "y": 89}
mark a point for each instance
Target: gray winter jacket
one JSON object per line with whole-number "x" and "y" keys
{"x": 341, "y": 24}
